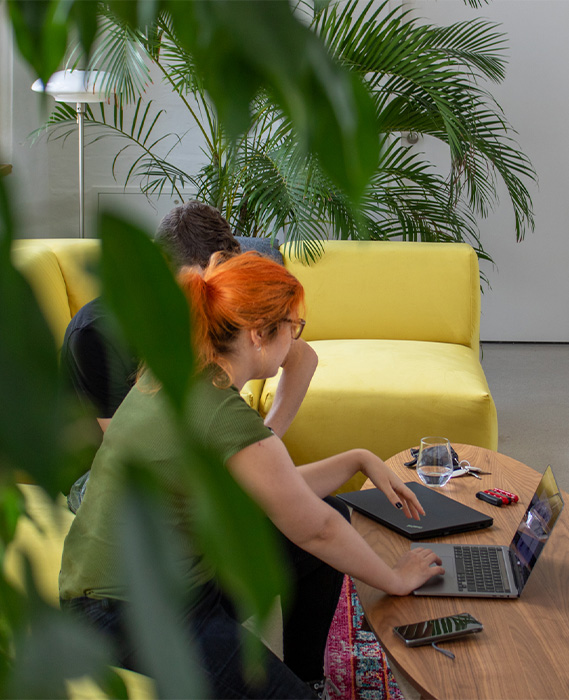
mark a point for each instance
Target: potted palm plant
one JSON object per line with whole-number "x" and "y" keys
{"x": 420, "y": 79}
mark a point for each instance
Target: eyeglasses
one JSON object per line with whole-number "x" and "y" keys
{"x": 297, "y": 326}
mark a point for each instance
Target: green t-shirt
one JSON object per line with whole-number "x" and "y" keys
{"x": 142, "y": 430}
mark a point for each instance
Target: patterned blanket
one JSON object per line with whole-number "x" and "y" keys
{"x": 354, "y": 660}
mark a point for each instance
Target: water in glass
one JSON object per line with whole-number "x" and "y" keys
{"x": 434, "y": 463}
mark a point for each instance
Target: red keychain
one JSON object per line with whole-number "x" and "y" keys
{"x": 506, "y": 500}
{"x": 512, "y": 496}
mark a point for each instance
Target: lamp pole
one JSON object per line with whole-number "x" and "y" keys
{"x": 80, "y": 124}
{"x": 77, "y": 87}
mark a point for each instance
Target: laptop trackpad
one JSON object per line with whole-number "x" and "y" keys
{"x": 438, "y": 582}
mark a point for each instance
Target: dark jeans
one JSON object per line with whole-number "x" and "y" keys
{"x": 306, "y": 622}
{"x": 219, "y": 636}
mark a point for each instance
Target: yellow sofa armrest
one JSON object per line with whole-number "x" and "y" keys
{"x": 40, "y": 267}
{"x": 62, "y": 275}
{"x": 78, "y": 259}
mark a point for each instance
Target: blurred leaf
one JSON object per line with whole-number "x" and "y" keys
{"x": 238, "y": 539}
{"x": 11, "y": 507}
{"x": 235, "y": 535}
{"x": 156, "y": 591}
{"x": 40, "y": 29}
{"x": 240, "y": 47}
{"x": 14, "y": 615}
{"x": 30, "y": 419}
{"x": 57, "y": 647}
{"x": 138, "y": 13}
{"x": 140, "y": 288}
{"x": 7, "y": 223}
{"x": 52, "y": 647}
{"x": 84, "y": 15}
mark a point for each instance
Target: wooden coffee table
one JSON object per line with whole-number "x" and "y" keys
{"x": 523, "y": 651}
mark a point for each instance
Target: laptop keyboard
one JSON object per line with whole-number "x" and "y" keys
{"x": 480, "y": 570}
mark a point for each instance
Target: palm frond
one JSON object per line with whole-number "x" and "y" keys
{"x": 120, "y": 51}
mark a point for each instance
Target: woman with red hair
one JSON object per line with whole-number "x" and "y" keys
{"x": 246, "y": 314}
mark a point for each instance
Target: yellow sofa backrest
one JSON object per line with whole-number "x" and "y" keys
{"x": 391, "y": 290}
{"x": 358, "y": 289}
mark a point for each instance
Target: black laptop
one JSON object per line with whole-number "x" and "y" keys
{"x": 444, "y": 516}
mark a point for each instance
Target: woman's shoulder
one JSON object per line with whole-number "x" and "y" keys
{"x": 207, "y": 395}
{"x": 222, "y": 418}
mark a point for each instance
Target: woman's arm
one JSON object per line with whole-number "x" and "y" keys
{"x": 327, "y": 475}
{"x": 266, "y": 472}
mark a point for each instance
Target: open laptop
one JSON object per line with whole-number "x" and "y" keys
{"x": 444, "y": 516}
{"x": 494, "y": 571}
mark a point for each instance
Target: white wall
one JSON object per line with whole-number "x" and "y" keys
{"x": 5, "y": 88}
{"x": 529, "y": 295}
{"x": 45, "y": 174}
{"x": 529, "y": 292}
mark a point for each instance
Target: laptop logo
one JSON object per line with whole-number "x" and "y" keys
{"x": 415, "y": 527}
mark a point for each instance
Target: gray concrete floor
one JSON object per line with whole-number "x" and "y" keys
{"x": 530, "y": 386}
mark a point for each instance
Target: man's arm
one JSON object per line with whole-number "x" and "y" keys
{"x": 297, "y": 371}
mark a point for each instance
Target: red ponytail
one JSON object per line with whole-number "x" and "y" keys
{"x": 248, "y": 291}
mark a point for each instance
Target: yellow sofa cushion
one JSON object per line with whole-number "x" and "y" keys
{"x": 385, "y": 395}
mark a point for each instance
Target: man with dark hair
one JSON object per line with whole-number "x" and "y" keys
{"x": 97, "y": 362}
{"x": 190, "y": 233}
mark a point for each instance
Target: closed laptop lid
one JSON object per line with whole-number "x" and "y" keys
{"x": 444, "y": 516}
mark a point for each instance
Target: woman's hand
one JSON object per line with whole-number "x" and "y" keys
{"x": 415, "y": 568}
{"x": 392, "y": 486}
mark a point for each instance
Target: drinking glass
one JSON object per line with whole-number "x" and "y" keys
{"x": 434, "y": 463}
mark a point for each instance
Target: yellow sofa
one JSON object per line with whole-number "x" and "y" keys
{"x": 395, "y": 325}
{"x": 396, "y": 328}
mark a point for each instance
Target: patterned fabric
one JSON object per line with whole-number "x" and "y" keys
{"x": 354, "y": 660}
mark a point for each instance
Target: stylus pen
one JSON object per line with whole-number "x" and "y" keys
{"x": 443, "y": 651}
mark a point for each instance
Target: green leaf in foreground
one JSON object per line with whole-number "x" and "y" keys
{"x": 139, "y": 287}
{"x": 156, "y": 592}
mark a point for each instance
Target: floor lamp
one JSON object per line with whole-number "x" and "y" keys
{"x": 77, "y": 87}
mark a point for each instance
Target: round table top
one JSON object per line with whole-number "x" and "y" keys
{"x": 523, "y": 649}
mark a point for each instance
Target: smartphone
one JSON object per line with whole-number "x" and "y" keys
{"x": 438, "y": 629}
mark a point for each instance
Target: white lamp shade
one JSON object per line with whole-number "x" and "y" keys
{"x": 75, "y": 86}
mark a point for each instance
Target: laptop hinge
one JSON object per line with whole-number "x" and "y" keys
{"x": 516, "y": 567}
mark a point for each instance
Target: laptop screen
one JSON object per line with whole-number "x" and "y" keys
{"x": 537, "y": 524}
